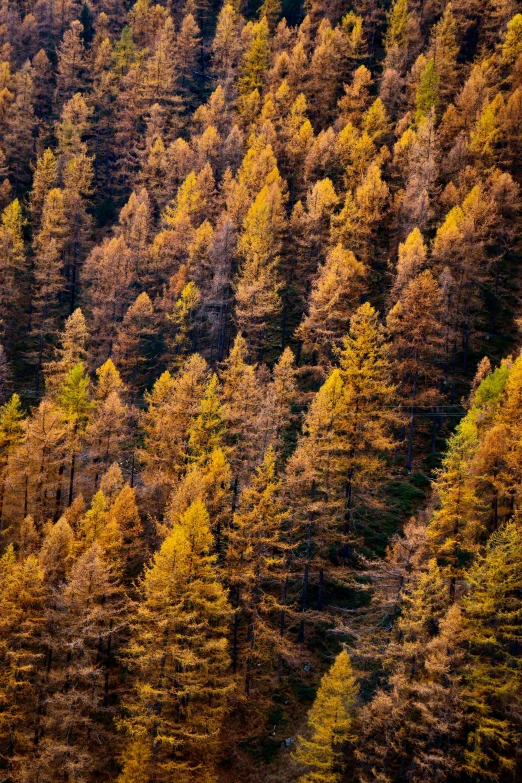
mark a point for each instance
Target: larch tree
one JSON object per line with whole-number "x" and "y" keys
{"x": 22, "y": 620}
{"x": 107, "y": 431}
{"x": 255, "y": 561}
{"x": 257, "y": 287}
{"x": 493, "y": 622}
{"x": 415, "y": 327}
{"x": 75, "y": 402}
{"x": 134, "y": 347}
{"x": 12, "y": 268}
{"x": 331, "y": 723}
{"x": 335, "y": 295}
{"x": 11, "y": 435}
{"x": 87, "y": 617}
{"x": 366, "y": 376}
{"x": 172, "y": 405}
{"x": 179, "y": 652}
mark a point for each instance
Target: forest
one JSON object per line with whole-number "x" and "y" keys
{"x": 260, "y": 391}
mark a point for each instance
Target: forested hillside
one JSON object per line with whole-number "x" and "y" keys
{"x": 260, "y": 391}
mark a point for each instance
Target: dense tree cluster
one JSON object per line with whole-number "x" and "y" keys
{"x": 260, "y": 484}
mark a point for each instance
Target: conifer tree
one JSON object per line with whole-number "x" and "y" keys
{"x": 415, "y": 326}
{"x": 179, "y": 653}
{"x": 87, "y": 619}
{"x": 171, "y": 407}
{"x": 257, "y": 287}
{"x": 133, "y": 350}
{"x": 12, "y": 268}
{"x": 365, "y": 373}
{"x": 11, "y": 435}
{"x": 76, "y": 405}
{"x": 71, "y": 350}
{"x": 330, "y": 719}
{"x": 254, "y": 562}
{"x": 242, "y": 396}
{"x": 72, "y": 62}
{"x": 21, "y": 651}
{"x": 107, "y": 431}
{"x": 492, "y": 614}
{"x": 335, "y": 294}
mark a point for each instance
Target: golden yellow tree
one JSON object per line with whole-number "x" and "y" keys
{"x": 331, "y": 722}
{"x": 179, "y": 655}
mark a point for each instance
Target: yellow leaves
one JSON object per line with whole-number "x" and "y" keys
{"x": 411, "y": 259}
{"x": 334, "y": 294}
{"x": 109, "y": 380}
{"x": 512, "y": 44}
{"x": 259, "y": 166}
{"x": 449, "y": 232}
{"x": 188, "y": 202}
{"x": 93, "y": 523}
{"x": 330, "y": 720}
{"x": 206, "y": 432}
{"x": 352, "y": 27}
{"x": 181, "y": 317}
{"x": 488, "y": 129}
{"x": 397, "y": 32}
{"x": 375, "y": 121}
{"x": 255, "y": 58}
{"x": 57, "y": 551}
{"x": 327, "y": 408}
{"x": 260, "y": 241}
{"x": 321, "y": 199}
{"x": 136, "y": 763}
{"x": 257, "y": 287}
{"x": 372, "y": 195}
{"x": 11, "y": 232}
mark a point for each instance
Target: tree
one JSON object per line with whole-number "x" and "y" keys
{"x": 335, "y": 293}
{"x": 206, "y": 431}
{"x": 87, "y": 618}
{"x": 512, "y": 44}
{"x": 12, "y": 268}
{"x": 41, "y": 459}
{"x": 242, "y": 399}
{"x": 76, "y": 405}
{"x": 455, "y": 528}
{"x": 72, "y": 63}
{"x": 427, "y": 95}
{"x": 179, "y": 653}
{"x": 411, "y": 259}
{"x": 21, "y": 122}
{"x": 330, "y": 719}
{"x": 492, "y": 619}
{"x": 49, "y": 284}
{"x": 254, "y": 561}
{"x": 255, "y": 58}
{"x": 445, "y": 50}
{"x": 71, "y": 350}
{"x": 107, "y": 431}
{"x": 415, "y": 327}
{"x": 187, "y": 51}
{"x": 182, "y": 318}
{"x": 226, "y": 46}
{"x": 109, "y": 275}
{"x": 397, "y": 38}
{"x": 365, "y": 373}
{"x": 418, "y": 723}
{"x": 11, "y": 435}
{"x": 257, "y": 286}
{"x": 171, "y": 407}
{"x": 134, "y": 347}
